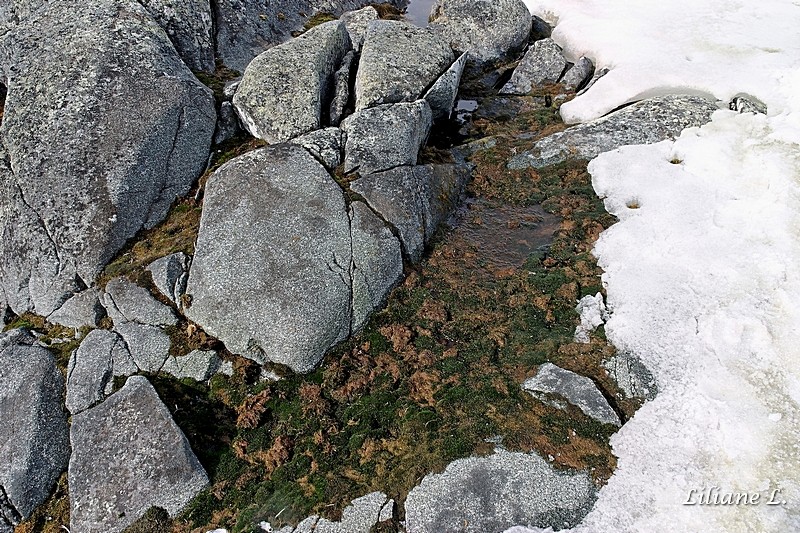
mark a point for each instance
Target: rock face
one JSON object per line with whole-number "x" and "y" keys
{"x": 245, "y": 28}
{"x": 386, "y": 136}
{"x": 127, "y": 456}
{"x": 543, "y": 63}
{"x": 442, "y": 94}
{"x": 285, "y": 89}
{"x": 101, "y": 108}
{"x": 490, "y": 30}
{"x": 270, "y": 277}
{"x": 578, "y": 390}
{"x": 188, "y": 24}
{"x": 377, "y": 262}
{"x": 398, "y": 62}
{"x": 34, "y": 445}
{"x": 645, "y": 122}
{"x": 497, "y": 492}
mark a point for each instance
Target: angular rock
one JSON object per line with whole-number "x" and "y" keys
{"x": 127, "y": 302}
{"x": 189, "y": 26}
{"x": 198, "y": 365}
{"x": 645, "y": 122}
{"x": 83, "y": 309}
{"x": 147, "y": 345}
{"x": 490, "y": 30}
{"x": 543, "y": 63}
{"x": 325, "y": 145}
{"x": 170, "y": 274}
{"x": 631, "y": 376}
{"x": 356, "y": 23}
{"x": 386, "y": 136}
{"x": 442, "y": 94}
{"x": 34, "y": 445}
{"x": 341, "y": 90}
{"x": 245, "y": 28}
{"x": 578, "y": 73}
{"x": 284, "y": 90}
{"x": 398, "y": 62}
{"x": 128, "y": 455}
{"x": 539, "y": 29}
{"x": 100, "y": 108}
{"x": 270, "y": 276}
{"x": 91, "y": 368}
{"x": 497, "y": 492}
{"x": 747, "y": 104}
{"x": 578, "y": 390}
{"x": 227, "y": 123}
{"x": 377, "y": 262}
{"x": 358, "y": 517}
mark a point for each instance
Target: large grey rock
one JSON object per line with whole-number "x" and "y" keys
{"x": 127, "y": 456}
{"x": 91, "y": 368}
{"x": 198, "y": 365}
{"x": 325, "y": 145}
{"x": 645, "y": 122}
{"x": 386, "y": 136}
{"x": 245, "y": 28}
{"x": 34, "y": 445}
{"x": 148, "y": 345}
{"x": 442, "y": 94}
{"x": 285, "y": 89}
{"x": 490, "y": 30}
{"x": 126, "y": 301}
{"x": 270, "y": 276}
{"x": 494, "y": 493}
{"x": 103, "y": 127}
{"x": 377, "y": 262}
{"x": 341, "y": 90}
{"x": 83, "y": 309}
{"x": 358, "y": 517}
{"x": 398, "y": 62}
{"x": 189, "y": 25}
{"x": 170, "y": 274}
{"x": 543, "y": 63}
{"x": 578, "y": 390}
{"x": 356, "y": 23}
{"x": 414, "y": 200}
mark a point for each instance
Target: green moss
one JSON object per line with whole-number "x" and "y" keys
{"x": 317, "y": 19}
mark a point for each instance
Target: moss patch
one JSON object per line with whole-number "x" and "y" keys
{"x": 317, "y": 19}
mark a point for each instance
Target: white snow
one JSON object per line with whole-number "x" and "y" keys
{"x": 592, "y": 310}
{"x": 703, "y": 278}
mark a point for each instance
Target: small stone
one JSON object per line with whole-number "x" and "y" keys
{"x": 127, "y": 302}
{"x": 198, "y": 365}
{"x": 543, "y": 63}
{"x": 632, "y": 376}
{"x": 227, "y": 123}
{"x": 341, "y": 91}
{"x": 325, "y": 145}
{"x": 747, "y": 104}
{"x": 442, "y": 94}
{"x": 83, "y": 309}
{"x": 578, "y": 390}
{"x": 577, "y": 74}
{"x": 91, "y": 368}
{"x": 148, "y": 345}
{"x": 170, "y": 274}
{"x": 358, "y": 517}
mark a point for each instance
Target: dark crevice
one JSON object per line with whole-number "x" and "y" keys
{"x": 9, "y": 515}
{"x": 611, "y": 399}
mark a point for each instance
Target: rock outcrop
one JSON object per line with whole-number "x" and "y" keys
{"x": 34, "y": 444}
{"x": 100, "y": 108}
{"x": 645, "y": 122}
{"x": 189, "y": 25}
{"x": 127, "y": 456}
{"x": 490, "y": 30}
{"x": 398, "y": 62}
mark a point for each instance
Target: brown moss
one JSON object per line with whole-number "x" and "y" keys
{"x": 52, "y": 514}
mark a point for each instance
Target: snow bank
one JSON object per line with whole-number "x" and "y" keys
{"x": 703, "y": 274}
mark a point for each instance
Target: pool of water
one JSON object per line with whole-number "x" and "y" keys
{"x": 418, "y": 11}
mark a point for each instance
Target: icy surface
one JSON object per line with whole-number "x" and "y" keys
{"x": 701, "y": 275}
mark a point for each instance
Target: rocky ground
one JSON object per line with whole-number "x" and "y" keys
{"x": 361, "y": 312}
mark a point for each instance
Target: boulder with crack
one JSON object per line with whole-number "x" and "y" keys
{"x": 326, "y": 145}
{"x": 491, "y": 31}
{"x": 356, "y": 23}
{"x": 34, "y": 445}
{"x": 284, "y": 90}
{"x": 103, "y": 127}
{"x": 271, "y": 273}
{"x": 128, "y": 455}
{"x": 399, "y": 61}
{"x": 645, "y": 122}
{"x": 386, "y": 136}
{"x": 101, "y": 355}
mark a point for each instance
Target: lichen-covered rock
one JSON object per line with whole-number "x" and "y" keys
{"x": 83, "y": 309}
{"x": 34, "y": 445}
{"x": 356, "y": 23}
{"x": 101, "y": 109}
{"x": 341, "y": 89}
{"x": 577, "y": 74}
{"x": 270, "y": 276}
{"x": 543, "y": 63}
{"x": 199, "y": 365}
{"x": 126, "y": 301}
{"x": 325, "y": 145}
{"x": 442, "y": 94}
{"x": 387, "y": 136}
{"x": 494, "y": 493}
{"x": 645, "y": 122}
{"x": 377, "y": 262}
{"x": 128, "y": 455}
{"x": 398, "y": 62}
{"x": 170, "y": 274}
{"x": 490, "y": 30}
{"x": 189, "y": 25}
{"x": 285, "y": 89}
{"x": 578, "y": 390}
